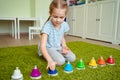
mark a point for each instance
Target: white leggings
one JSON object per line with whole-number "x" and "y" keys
{"x": 57, "y": 56}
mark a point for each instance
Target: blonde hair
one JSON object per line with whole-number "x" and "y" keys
{"x": 59, "y": 4}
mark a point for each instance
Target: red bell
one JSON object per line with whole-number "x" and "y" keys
{"x": 110, "y": 61}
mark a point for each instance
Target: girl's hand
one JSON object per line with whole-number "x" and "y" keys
{"x": 65, "y": 50}
{"x": 51, "y": 65}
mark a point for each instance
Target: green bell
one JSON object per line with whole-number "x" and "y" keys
{"x": 80, "y": 65}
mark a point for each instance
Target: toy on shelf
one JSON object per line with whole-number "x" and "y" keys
{"x": 52, "y": 72}
{"x": 35, "y": 74}
{"x": 110, "y": 60}
{"x": 17, "y": 75}
{"x": 101, "y": 62}
{"x": 93, "y": 63}
{"x": 68, "y": 68}
{"x": 80, "y": 65}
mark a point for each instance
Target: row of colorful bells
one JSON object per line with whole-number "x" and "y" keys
{"x": 80, "y": 65}
{"x": 35, "y": 74}
{"x": 101, "y": 62}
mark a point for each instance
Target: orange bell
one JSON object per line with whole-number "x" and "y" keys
{"x": 101, "y": 61}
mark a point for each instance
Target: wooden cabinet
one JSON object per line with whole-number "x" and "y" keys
{"x": 100, "y": 20}
{"x": 96, "y": 20}
{"x": 70, "y": 20}
{"x": 118, "y": 26}
{"x": 76, "y": 20}
{"x": 118, "y": 33}
{"x": 91, "y": 21}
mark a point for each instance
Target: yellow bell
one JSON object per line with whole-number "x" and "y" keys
{"x": 93, "y": 63}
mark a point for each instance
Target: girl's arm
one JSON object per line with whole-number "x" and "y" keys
{"x": 43, "y": 42}
{"x": 65, "y": 49}
{"x": 63, "y": 42}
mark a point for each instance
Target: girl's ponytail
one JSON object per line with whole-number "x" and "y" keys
{"x": 47, "y": 20}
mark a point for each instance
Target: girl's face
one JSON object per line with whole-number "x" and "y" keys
{"x": 58, "y": 16}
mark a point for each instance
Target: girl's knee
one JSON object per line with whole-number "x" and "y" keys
{"x": 72, "y": 58}
{"x": 61, "y": 61}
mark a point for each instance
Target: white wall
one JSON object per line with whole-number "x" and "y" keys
{"x": 42, "y": 9}
{"x": 15, "y": 8}
{"x": 22, "y": 8}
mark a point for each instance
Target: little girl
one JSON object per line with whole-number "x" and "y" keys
{"x": 53, "y": 45}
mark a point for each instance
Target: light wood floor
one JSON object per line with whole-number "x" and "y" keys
{"x": 8, "y": 41}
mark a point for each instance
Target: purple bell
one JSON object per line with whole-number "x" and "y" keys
{"x": 35, "y": 74}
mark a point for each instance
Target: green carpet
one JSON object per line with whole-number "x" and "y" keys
{"x": 25, "y": 57}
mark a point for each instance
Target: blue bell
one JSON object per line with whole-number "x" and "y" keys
{"x": 68, "y": 68}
